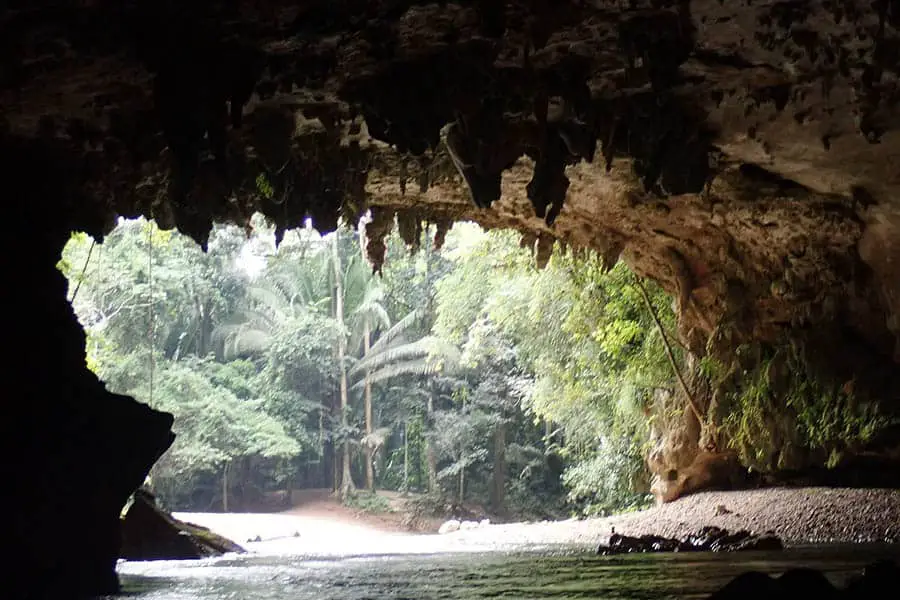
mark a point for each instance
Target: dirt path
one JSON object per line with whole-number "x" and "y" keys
{"x": 322, "y": 504}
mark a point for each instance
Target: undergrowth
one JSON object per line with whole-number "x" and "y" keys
{"x": 782, "y": 414}
{"x": 369, "y": 502}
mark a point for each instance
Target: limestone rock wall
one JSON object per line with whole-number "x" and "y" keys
{"x": 740, "y": 153}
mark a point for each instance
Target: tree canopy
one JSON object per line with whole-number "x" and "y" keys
{"x": 464, "y": 372}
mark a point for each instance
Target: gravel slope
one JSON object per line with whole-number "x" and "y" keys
{"x": 797, "y": 515}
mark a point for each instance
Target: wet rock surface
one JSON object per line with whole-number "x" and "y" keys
{"x": 878, "y": 580}
{"x": 707, "y": 539}
{"x": 150, "y": 533}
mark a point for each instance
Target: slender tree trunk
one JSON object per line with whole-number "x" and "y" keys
{"x": 225, "y": 488}
{"x": 347, "y": 487}
{"x": 406, "y": 456}
{"x": 430, "y": 456}
{"x": 498, "y": 484}
{"x": 370, "y": 473}
{"x": 323, "y": 467}
{"x": 206, "y": 327}
{"x": 462, "y": 480}
{"x": 335, "y": 469}
{"x": 367, "y": 383}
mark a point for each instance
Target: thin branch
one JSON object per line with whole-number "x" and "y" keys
{"x": 669, "y": 353}
{"x": 83, "y": 271}
{"x": 674, "y": 338}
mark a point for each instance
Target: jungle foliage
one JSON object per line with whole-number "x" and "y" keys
{"x": 780, "y": 413}
{"x": 465, "y": 373}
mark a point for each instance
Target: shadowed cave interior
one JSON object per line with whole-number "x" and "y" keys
{"x": 741, "y": 154}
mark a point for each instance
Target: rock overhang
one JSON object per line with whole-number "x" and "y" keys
{"x": 740, "y": 153}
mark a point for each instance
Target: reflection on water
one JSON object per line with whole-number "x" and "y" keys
{"x": 519, "y": 575}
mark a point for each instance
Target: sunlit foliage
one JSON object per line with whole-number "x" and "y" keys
{"x": 488, "y": 381}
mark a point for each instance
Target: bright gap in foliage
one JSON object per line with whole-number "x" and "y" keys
{"x": 464, "y": 376}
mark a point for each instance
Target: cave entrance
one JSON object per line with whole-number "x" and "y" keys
{"x": 462, "y": 382}
{"x": 461, "y": 387}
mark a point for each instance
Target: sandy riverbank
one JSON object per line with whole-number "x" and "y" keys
{"x": 799, "y": 516}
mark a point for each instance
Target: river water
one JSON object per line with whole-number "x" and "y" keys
{"x": 276, "y": 573}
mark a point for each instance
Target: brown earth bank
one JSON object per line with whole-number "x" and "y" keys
{"x": 798, "y": 516}
{"x": 400, "y": 516}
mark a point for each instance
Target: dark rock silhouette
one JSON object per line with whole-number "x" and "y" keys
{"x": 878, "y": 580}
{"x": 707, "y": 539}
{"x": 150, "y": 533}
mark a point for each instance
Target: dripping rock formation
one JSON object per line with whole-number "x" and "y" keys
{"x": 742, "y": 154}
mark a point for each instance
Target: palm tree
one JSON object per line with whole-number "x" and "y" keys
{"x": 324, "y": 280}
{"x": 370, "y": 315}
{"x": 395, "y": 354}
{"x": 294, "y": 284}
{"x": 392, "y": 355}
{"x": 329, "y": 279}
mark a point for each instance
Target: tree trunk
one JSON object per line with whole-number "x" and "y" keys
{"x": 225, "y": 488}
{"x": 335, "y": 469}
{"x": 462, "y": 481}
{"x": 370, "y": 473}
{"x": 430, "y": 456}
{"x": 367, "y": 383}
{"x": 323, "y": 450}
{"x": 206, "y": 328}
{"x": 498, "y": 483}
{"x": 347, "y": 487}
{"x": 406, "y": 456}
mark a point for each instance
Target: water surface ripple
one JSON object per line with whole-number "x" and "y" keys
{"x": 522, "y": 575}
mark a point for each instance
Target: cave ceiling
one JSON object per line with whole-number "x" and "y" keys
{"x": 742, "y": 153}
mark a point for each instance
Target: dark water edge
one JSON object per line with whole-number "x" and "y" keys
{"x": 469, "y": 576}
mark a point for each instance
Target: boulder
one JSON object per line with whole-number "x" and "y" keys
{"x": 875, "y": 579}
{"x": 150, "y": 533}
{"x": 449, "y": 526}
{"x": 878, "y": 580}
{"x": 707, "y": 539}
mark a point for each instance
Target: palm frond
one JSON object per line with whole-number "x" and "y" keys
{"x": 429, "y": 347}
{"x": 397, "y": 330}
{"x": 376, "y": 439}
{"x": 379, "y": 315}
{"x": 421, "y": 366}
{"x": 271, "y": 300}
{"x": 369, "y": 310}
